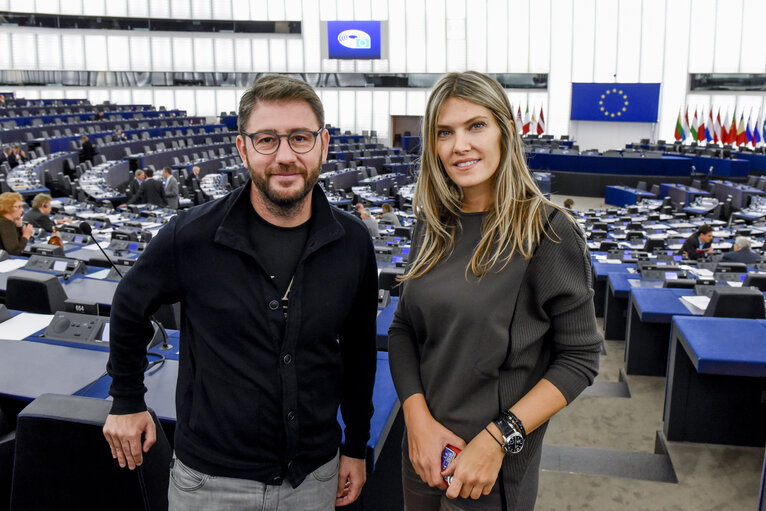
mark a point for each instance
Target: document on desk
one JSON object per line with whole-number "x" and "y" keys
{"x": 22, "y": 326}
{"x": 101, "y": 274}
{"x": 701, "y": 272}
{"x": 695, "y": 304}
{"x": 12, "y": 264}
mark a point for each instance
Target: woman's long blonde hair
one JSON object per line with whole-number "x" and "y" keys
{"x": 516, "y": 219}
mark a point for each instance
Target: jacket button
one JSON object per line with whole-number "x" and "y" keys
{"x": 290, "y": 416}
{"x": 287, "y": 359}
{"x": 276, "y": 480}
{"x": 273, "y": 305}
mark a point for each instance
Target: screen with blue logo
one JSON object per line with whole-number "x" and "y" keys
{"x": 622, "y": 102}
{"x": 353, "y": 39}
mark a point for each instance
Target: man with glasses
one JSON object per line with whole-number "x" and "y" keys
{"x": 277, "y": 331}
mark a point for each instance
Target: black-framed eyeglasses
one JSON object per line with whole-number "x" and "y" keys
{"x": 267, "y": 142}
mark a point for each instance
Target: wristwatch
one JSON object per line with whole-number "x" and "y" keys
{"x": 513, "y": 432}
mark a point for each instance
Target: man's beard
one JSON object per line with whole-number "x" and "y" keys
{"x": 283, "y": 203}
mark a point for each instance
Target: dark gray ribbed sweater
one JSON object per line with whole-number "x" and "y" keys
{"x": 450, "y": 341}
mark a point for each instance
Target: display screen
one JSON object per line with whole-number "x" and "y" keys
{"x": 59, "y": 266}
{"x": 133, "y": 246}
{"x": 354, "y": 39}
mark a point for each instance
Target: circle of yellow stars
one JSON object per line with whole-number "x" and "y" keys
{"x": 608, "y": 93}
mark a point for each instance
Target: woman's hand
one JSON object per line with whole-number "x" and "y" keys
{"x": 476, "y": 468}
{"x": 27, "y": 230}
{"x": 427, "y": 439}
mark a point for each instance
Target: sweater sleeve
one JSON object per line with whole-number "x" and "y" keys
{"x": 561, "y": 277}
{"x": 403, "y": 354}
{"x": 150, "y": 283}
{"x": 359, "y": 352}
{"x": 11, "y": 238}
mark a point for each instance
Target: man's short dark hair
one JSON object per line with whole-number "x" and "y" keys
{"x": 149, "y": 173}
{"x": 278, "y": 88}
{"x": 704, "y": 229}
{"x": 167, "y": 169}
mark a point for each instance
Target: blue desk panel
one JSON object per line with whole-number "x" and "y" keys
{"x": 716, "y": 381}
{"x": 665, "y": 166}
{"x": 722, "y": 167}
{"x": 625, "y": 195}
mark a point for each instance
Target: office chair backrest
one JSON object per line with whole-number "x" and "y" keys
{"x": 736, "y": 302}
{"x": 755, "y": 280}
{"x": 62, "y": 456}
{"x": 680, "y": 283}
{"x": 32, "y": 291}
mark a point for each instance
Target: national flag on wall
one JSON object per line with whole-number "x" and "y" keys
{"x": 541, "y": 123}
{"x": 733, "y": 128}
{"x": 685, "y": 119}
{"x": 533, "y": 124}
{"x": 757, "y": 137}
{"x": 519, "y": 122}
{"x": 710, "y": 127}
{"x": 694, "y": 126}
{"x": 679, "y": 134}
{"x": 748, "y": 132}
{"x": 718, "y": 135}
{"x": 701, "y": 128}
{"x": 525, "y": 126}
{"x": 741, "y": 137}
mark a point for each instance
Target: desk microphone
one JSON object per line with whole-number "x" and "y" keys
{"x": 88, "y": 231}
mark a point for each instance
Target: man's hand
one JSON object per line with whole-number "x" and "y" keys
{"x": 351, "y": 478}
{"x": 123, "y": 432}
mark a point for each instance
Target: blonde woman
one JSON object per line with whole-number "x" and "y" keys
{"x": 495, "y": 329}
{"x": 14, "y": 234}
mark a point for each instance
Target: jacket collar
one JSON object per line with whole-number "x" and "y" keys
{"x": 233, "y": 231}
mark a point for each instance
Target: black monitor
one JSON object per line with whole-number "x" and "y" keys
{"x": 755, "y": 280}
{"x": 735, "y": 302}
{"x": 653, "y": 244}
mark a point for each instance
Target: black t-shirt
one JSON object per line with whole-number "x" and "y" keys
{"x": 279, "y": 249}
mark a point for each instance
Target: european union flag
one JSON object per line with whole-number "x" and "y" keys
{"x": 623, "y": 102}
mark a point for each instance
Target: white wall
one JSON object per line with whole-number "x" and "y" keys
{"x": 571, "y": 40}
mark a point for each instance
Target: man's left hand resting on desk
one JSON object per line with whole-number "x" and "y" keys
{"x": 123, "y": 432}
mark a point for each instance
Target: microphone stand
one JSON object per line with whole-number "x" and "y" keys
{"x": 88, "y": 231}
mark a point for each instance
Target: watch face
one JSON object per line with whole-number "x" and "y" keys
{"x": 515, "y": 442}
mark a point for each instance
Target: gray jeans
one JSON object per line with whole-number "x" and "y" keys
{"x": 191, "y": 489}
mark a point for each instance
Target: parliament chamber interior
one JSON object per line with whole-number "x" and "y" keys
{"x": 652, "y": 139}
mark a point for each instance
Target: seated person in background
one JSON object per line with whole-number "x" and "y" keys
{"x": 741, "y": 252}
{"x": 357, "y": 212}
{"x": 87, "y": 152}
{"x": 193, "y": 176}
{"x": 5, "y": 153}
{"x": 569, "y": 203}
{"x": 699, "y": 244}
{"x": 99, "y": 116}
{"x": 370, "y": 222}
{"x": 135, "y": 183}
{"x": 38, "y": 215}
{"x": 17, "y": 156}
{"x": 14, "y": 234}
{"x": 119, "y": 136}
{"x": 150, "y": 192}
{"x": 388, "y": 216}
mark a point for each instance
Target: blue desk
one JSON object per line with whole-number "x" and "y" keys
{"x": 600, "y": 273}
{"x": 385, "y": 317}
{"x": 722, "y": 167}
{"x": 648, "y": 329}
{"x": 665, "y": 166}
{"x": 625, "y": 195}
{"x": 619, "y": 286}
{"x": 757, "y": 161}
{"x": 716, "y": 381}
{"x": 739, "y": 192}
{"x": 30, "y": 369}
{"x": 681, "y": 193}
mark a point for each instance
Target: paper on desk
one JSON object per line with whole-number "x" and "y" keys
{"x": 702, "y": 272}
{"x": 612, "y": 261}
{"x": 600, "y": 257}
{"x": 11, "y": 264}
{"x": 101, "y": 274}
{"x": 734, "y": 284}
{"x": 695, "y": 304}
{"x": 92, "y": 246}
{"x": 24, "y": 325}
